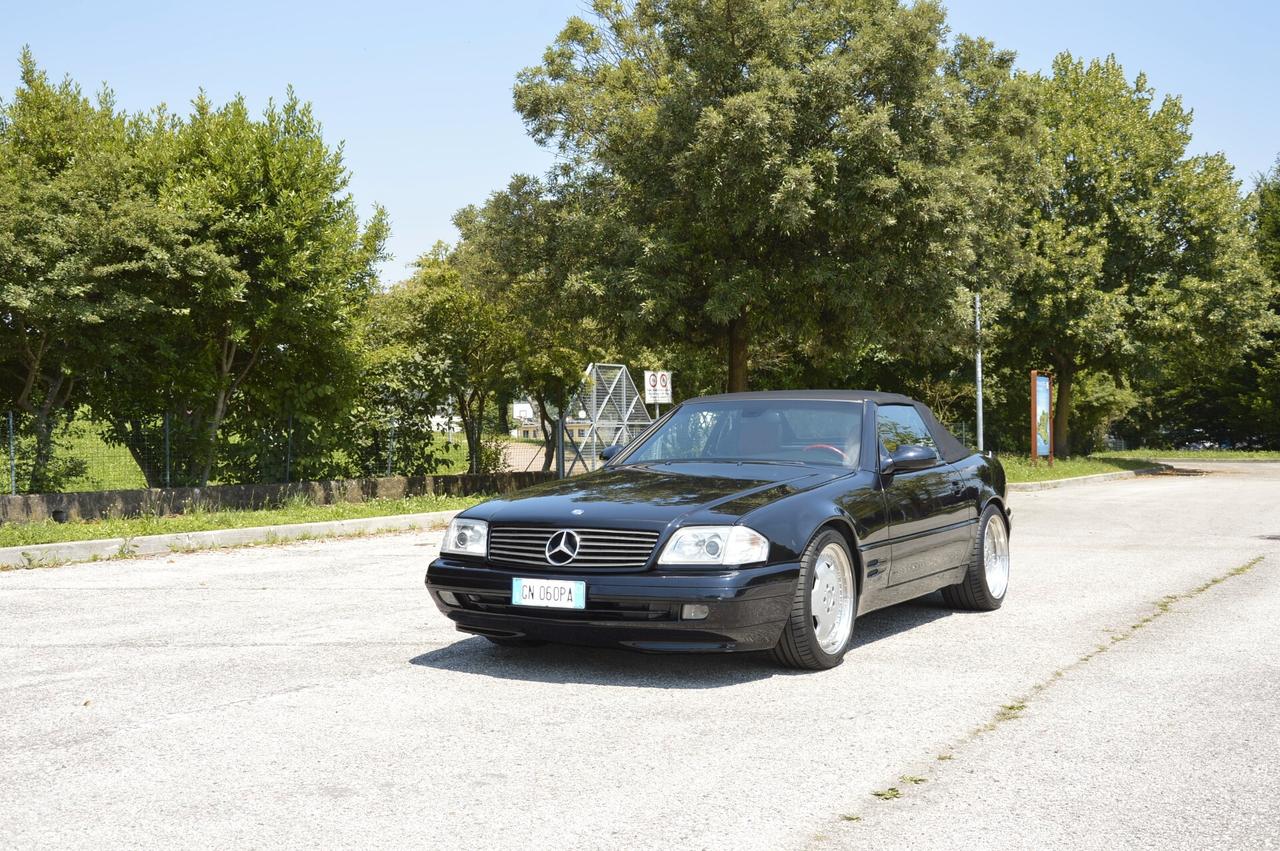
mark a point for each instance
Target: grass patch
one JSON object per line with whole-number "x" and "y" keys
{"x": 198, "y": 520}
{"x": 1192, "y": 454}
{"x": 888, "y": 794}
{"x": 1018, "y": 468}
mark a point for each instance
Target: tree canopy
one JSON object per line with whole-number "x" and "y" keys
{"x": 165, "y": 269}
{"x": 1140, "y": 262}
{"x": 818, "y": 170}
{"x": 749, "y": 192}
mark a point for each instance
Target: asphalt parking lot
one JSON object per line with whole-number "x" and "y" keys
{"x": 308, "y": 695}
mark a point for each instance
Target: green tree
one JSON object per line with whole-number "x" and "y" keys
{"x": 393, "y": 422}
{"x": 76, "y": 234}
{"x": 521, "y": 248}
{"x": 276, "y": 271}
{"x": 43, "y": 313}
{"x": 811, "y": 170}
{"x": 452, "y": 339}
{"x": 1240, "y": 406}
{"x": 1140, "y": 265}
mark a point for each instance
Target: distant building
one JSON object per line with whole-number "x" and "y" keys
{"x": 527, "y": 426}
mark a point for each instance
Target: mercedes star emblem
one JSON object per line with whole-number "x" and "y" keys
{"x": 563, "y": 547}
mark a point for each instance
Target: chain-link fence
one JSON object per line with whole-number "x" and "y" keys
{"x": 165, "y": 450}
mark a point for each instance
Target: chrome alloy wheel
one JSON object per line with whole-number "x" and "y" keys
{"x": 831, "y": 598}
{"x": 995, "y": 556}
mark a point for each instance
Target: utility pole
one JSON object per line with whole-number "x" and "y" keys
{"x": 977, "y": 327}
{"x": 13, "y": 459}
{"x": 560, "y": 466}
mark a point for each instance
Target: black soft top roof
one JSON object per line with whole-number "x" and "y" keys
{"x": 949, "y": 447}
{"x": 815, "y": 395}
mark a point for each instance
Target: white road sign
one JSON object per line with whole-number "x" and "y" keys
{"x": 657, "y": 387}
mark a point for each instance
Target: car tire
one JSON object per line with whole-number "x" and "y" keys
{"x": 512, "y": 641}
{"x": 825, "y": 590}
{"x": 986, "y": 582}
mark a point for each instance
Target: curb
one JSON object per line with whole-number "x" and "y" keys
{"x": 40, "y": 555}
{"x": 1216, "y": 460}
{"x": 1084, "y": 480}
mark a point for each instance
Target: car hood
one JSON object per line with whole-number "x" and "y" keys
{"x": 653, "y": 495}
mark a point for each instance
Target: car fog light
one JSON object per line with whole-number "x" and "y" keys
{"x": 694, "y": 611}
{"x": 449, "y": 598}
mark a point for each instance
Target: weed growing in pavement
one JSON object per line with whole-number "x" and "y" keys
{"x": 1010, "y": 711}
{"x": 847, "y": 817}
{"x": 1162, "y": 607}
{"x": 31, "y": 562}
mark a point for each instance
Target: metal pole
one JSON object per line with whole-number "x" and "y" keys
{"x": 288, "y": 451}
{"x": 977, "y": 327}
{"x": 167, "y": 473}
{"x": 560, "y": 446}
{"x": 391, "y": 447}
{"x": 13, "y": 459}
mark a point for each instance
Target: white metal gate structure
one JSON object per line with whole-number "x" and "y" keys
{"x": 614, "y": 408}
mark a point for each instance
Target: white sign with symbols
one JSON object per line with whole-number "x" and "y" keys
{"x": 657, "y": 387}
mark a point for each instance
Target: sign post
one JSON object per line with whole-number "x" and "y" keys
{"x": 1041, "y": 417}
{"x": 977, "y": 330}
{"x": 657, "y": 388}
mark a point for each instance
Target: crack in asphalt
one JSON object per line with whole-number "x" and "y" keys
{"x": 1015, "y": 708}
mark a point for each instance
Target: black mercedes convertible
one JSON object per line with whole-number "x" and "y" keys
{"x": 747, "y": 521}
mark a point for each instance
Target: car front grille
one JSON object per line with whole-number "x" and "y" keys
{"x": 599, "y": 549}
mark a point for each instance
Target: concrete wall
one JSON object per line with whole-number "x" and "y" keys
{"x": 128, "y": 503}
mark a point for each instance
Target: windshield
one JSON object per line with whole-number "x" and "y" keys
{"x": 763, "y": 430}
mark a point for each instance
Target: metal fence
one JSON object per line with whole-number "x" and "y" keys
{"x": 84, "y": 455}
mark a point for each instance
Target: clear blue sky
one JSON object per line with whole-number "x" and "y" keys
{"x": 421, "y": 91}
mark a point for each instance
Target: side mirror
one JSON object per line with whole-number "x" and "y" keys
{"x": 911, "y": 457}
{"x": 610, "y": 451}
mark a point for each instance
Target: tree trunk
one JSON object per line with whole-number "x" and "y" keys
{"x": 42, "y": 425}
{"x": 1062, "y": 411}
{"x": 504, "y": 413}
{"x": 142, "y": 452}
{"x": 737, "y": 345}
{"x": 471, "y": 410}
{"x": 548, "y": 435}
{"x": 44, "y": 420}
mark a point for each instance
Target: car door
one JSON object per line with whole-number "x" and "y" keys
{"x": 929, "y": 523}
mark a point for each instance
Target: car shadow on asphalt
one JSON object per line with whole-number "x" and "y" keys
{"x": 554, "y": 663}
{"x": 886, "y": 623}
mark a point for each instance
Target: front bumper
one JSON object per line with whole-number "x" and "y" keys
{"x": 641, "y": 611}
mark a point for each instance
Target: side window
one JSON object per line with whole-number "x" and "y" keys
{"x": 901, "y": 425}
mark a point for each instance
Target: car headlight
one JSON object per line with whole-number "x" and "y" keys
{"x": 466, "y": 537}
{"x": 730, "y": 545}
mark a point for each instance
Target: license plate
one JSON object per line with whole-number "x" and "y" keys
{"x": 549, "y": 593}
